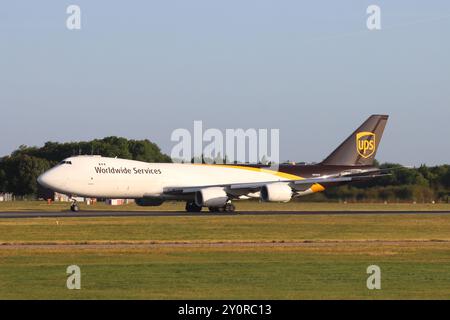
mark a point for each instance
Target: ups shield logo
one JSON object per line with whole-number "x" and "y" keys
{"x": 365, "y": 144}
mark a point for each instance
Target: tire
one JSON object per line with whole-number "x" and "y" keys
{"x": 229, "y": 207}
{"x": 192, "y": 207}
{"x": 74, "y": 208}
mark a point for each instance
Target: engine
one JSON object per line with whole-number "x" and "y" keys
{"x": 149, "y": 201}
{"x": 211, "y": 197}
{"x": 276, "y": 192}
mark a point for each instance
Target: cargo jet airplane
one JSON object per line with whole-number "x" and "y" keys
{"x": 215, "y": 185}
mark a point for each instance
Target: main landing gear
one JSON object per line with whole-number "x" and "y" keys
{"x": 228, "y": 207}
{"x": 193, "y": 207}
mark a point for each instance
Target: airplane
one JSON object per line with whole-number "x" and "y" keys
{"x": 215, "y": 186}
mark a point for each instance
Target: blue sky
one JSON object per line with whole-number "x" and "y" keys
{"x": 141, "y": 69}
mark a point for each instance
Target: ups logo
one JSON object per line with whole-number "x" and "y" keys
{"x": 365, "y": 144}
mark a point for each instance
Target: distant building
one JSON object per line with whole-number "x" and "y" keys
{"x": 118, "y": 202}
{"x": 6, "y": 197}
{"x": 115, "y": 202}
{"x": 59, "y": 197}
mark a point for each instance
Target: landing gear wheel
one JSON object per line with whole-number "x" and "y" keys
{"x": 192, "y": 207}
{"x": 216, "y": 209}
{"x": 74, "y": 207}
{"x": 229, "y": 207}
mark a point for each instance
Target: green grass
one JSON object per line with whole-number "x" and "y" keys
{"x": 315, "y": 270}
{"x": 231, "y": 273}
{"x": 24, "y": 206}
{"x": 223, "y": 228}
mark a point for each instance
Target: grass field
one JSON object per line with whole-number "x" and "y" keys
{"x": 227, "y": 257}
{"x": 233, "y": 273}
{"x": 240, "y": 206}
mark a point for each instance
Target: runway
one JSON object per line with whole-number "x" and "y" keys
{"x": 94, "y": 214}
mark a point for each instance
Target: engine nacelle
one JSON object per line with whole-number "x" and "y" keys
{"x": 276, "y": 192}
{"x": 149, "y": 201}
{"x": 211, "y": 197}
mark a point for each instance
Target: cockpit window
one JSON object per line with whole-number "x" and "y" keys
{"x": 65, "y": 162}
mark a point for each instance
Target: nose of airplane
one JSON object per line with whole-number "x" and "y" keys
{"x": 50, "y": 179}
{"x": 44, "y": 180}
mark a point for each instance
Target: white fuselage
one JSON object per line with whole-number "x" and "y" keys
{"x": 100, "y": 177}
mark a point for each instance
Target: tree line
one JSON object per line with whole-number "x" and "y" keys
{"x": 422, "y": 184}
{"x": 19, "y": 171}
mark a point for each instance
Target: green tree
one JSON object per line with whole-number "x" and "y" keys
{"x": 21, "y": 171}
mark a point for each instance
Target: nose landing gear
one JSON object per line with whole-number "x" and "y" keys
{"x": 74, "y": 206}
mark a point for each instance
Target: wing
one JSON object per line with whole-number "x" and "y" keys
{"x": 237, "y": 189}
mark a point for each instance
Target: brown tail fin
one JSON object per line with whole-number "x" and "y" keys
{"x": 361, "y": 147}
